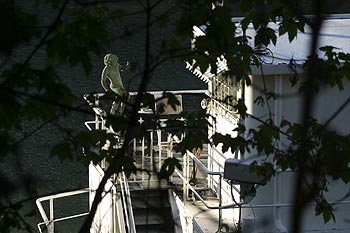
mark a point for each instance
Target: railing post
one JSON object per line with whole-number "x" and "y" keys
{"x": 160, "y": 146}
{"x": 114, "y": 207}
{"x": 151, "y": 150}
{"x": 134, "y": 146}
{"x": 170, "y": 151}
{"x": 220, "y": 204}
{"x": 51, "y": 224}
{"x": 159, "y": 135}
{"x": 184, "y": 185}
{"x": 170, "y": 145}
{"x": 96, "y": 116}
{"x": 130, "y": 215}
{"x": 151, "y": 144}
{"x": 142, "y": 157}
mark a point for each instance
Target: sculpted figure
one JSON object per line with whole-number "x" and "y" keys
{"x": 111, "y": 72}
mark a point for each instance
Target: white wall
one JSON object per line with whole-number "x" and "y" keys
{"x": 280, "y": 189}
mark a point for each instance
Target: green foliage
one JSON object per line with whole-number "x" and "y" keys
{"x": 63, "y": 151}
{"x": 264, "y": 36}
{"x": 126, "y": 163}
{"x": 192, "y": 128}
{"x": 95, "y": 142}
{"x": 148, "y": 101}
{"x": 16, "y": 25}
{"x": 292, "y": 26}
{"x": 241, "y": 108}
{"x": 172, "y": 100}
{"x": 6, "y": 142}
{"x": 333, "y": 69}
{"x": 193, "y": 139}
{"x": 10, "y": 110}
{"x": 82, "y": 30}
{"x": 286, "y": 160}
{"x": 6, "y": 186}
{"x": 68, "y": 33}
{"x": 263, "y": 170}
{"x": 326, "y": 209}
{"x": 9, "y": 219}
{"x": 264, "y": 138}
{"x": 168, "y": 167}
{"x": 236, "y": 143}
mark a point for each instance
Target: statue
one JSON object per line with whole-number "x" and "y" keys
{"x": 111, "y": 71}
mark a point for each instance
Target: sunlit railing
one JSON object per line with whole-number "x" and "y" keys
{"x": 127, "y": 210}
{"x": 50, "y": 221}
{"x": 160, "y": 146}
{"x": 187, "y": 186}
{"x": 114, "y": 213}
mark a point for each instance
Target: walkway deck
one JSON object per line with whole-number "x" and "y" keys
{"x": 207, "y": 219}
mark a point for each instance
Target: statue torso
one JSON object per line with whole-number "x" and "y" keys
{"x": 113, "y": 74}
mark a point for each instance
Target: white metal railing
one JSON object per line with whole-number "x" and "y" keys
{"x": 49, "y": 222}
{"x": 126, "y": 221}
{"x": 185, "y": 216}
{"x": 185, "y": 175}
{"x": 114, "y": 213}
{"x": 187, "y": 186}
{"x": 128, "y": 212}
{"x": 161, "y": 146}
{"x": 100, "y": 120}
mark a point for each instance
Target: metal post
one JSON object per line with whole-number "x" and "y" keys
{"x": 159, "y": 134}
{"x": 52, "y": 226}
{"x": 143, "y": 157}
{"x": 96, "y": 116}
{"x": 220, "y": 204}
{"x": 134, "y": 145}
{"x": 125, "y": 208}
{"x": 170, "y": 149}
{"x": 187, "y": 174}
{"x": 151, "y": 150}
{"x": 169, "y": 142}
{"x": 184, "y": 185}
{"x": 151, "y": 144}
{"x": 114, "y": 206}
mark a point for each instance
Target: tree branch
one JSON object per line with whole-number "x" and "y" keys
{"x": 43, "y": 39}
{"x": 302, "y": 196}
{"x": 121, "y": 153}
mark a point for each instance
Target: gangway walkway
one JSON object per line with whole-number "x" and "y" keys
{"x": 189, "y": 195}
{"x": 194, "y": 195}
{"x": 196, "y": 192}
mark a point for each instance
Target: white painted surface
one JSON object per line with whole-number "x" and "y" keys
{"x": 280, "y": 189}
{"x": 278, "y": 193}
{"x": 334, "y": 32}
{"x": 103, "y": 221}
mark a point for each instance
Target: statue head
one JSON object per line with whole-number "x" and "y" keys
{"x": 110, "y": 59}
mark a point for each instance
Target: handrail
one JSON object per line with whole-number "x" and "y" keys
{"x": 183, "y": 215}
{"x": 61, "y": 219}
{"x": 127, "y": 203}
{"x": 50, "y": 222}
{"x": 133, "y": 93}
{"x": 201, "y": 165}
{"x": 208, "y": 172}
{"x": 125, "y": 192}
